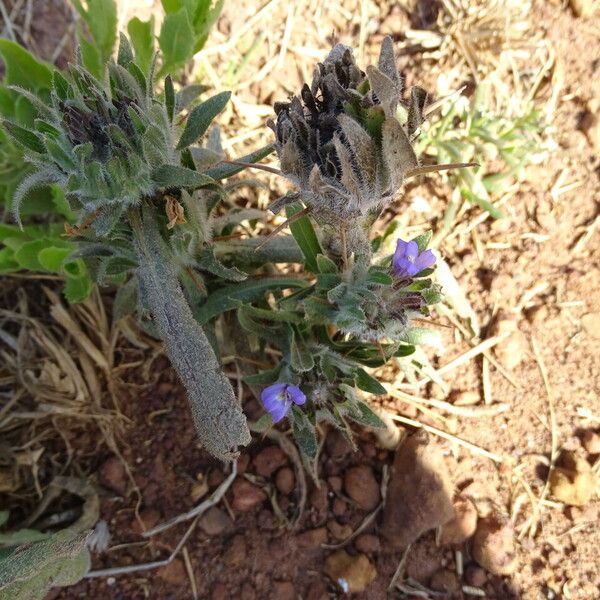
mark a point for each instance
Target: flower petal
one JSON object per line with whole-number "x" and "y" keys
{"x": 412, "y": 249}
{"x": 400, "y": 248}
{"x": 280, "y": 410}
{"x": 296, "y": 394}
{"x": 271, "y": 392}
{"x": 425, "y": 260}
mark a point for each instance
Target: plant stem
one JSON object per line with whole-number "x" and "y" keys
{"x": 218, "y": 417}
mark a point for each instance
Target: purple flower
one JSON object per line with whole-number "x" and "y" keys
{"x": 408, "y": 261}
{"x": 278, "y": 398}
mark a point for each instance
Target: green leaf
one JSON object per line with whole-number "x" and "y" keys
{"x": 100, "y": 16}
{"x": 224, "y": 171}
{"x": 201, "y": 117}
{"x": 379, "y": 276}
{"x": 357, "y": 410}
{"x": 126, "y": 299}
{"x": 125, "y": 54}
{"x": 187, "y": 95}
{"x": 171, "y": 6}
{"x": 284, "y": 316}
{"x": 77, "y": 289}
{"x": 169, "y": 97}
{"x": 91, "y": 57}
{"x": 300, "y": 357}
{"x": 262, "y": 424}
{"x": 25, "y": 137}
{"x": 263, "y": 378}
{"x": 52, "y": 258}
{"x": 304, "y": 432}
{"x": 483, "y": 203}
{"x": 305, "y": 236}
{"x": 23, "y": 69}
{"x": 423, "y": 240}
{"x": 176, "y": 39}
{"x": 325, "y": 264}
{"x": 228, "y": 297}
{"x": 178, "y": 177}
{"x": 142, "y": 39}
{"x": 368, "y": 384}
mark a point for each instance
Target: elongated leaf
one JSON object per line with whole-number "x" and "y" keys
{"x": 304, "y": 432}
{"x": 228, "y": 297}
{"x": 142, "y": 39}
{"x": 368, "y": 384}
{"x": 176, "y": 39}
{"x": 23, "y": 69}
{"x": 25, "y": 136}
{"x": 224, "y": 171}
{"x": 201, "y": 117}
{"x": 169, "y": 97}
{"x": 100, "y": 16}
{"x": 175, "y": 176}
{"x": 305, "y": 236}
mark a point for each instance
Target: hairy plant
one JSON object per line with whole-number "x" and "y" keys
{"x": 347, "y": 143}
{"x": 116, "y": 149}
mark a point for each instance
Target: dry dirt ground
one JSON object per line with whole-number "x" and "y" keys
{"x": 536, "y": 273}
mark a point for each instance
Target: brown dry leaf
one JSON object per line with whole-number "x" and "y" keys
{"x": 175, "y": 213}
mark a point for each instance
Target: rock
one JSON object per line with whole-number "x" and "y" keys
{"x": 445, "y": 580}
{"x": 590, "y": 323}
{"x": 113, "y": 475}
{"x": 572, "y": 480}
{"x": 339, "y": 507}
{"x": 285, "y": 480}
{"x": 360, "y": 484}
{"x": 419, "y": 496}
{"x": 312, "y": 538}
{"x": 215, "y": 521}
{"x": 475, "y": 575}
{"x": 352, "y": 574}
{"x": 149, "y": 517}
{"x": 585, "y": 8}
{"x": 335, "y": 483}
{"x": 591, "y": 441}
{"x": 173, "y": 573}
{"x": 462, "y": 526}
{"x": 237, "y": 552}
{"x": 494, "y": 545}
{"x": 246, "y": 495}
{"x": 367, "y": 543}
{"x": 283, "y": 590}
{"x": 267, "y": 461}
{"x": 337, "y": 444}
{"x": 339, "y": 531}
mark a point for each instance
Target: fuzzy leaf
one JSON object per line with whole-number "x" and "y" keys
{"x": 304, "y": 432}
{"x": 142, "y": 39}
{"x": 201, "y": 117}
{"x": 300, "y": 357}
{"x": 178, "y": 177}
{"x": 23, "y": 69}
{"x": 100, "y": 16}
{"x": 305, "y": 236}
{"x": 325, "y": 264}
{"x": 169, "y": 97}
{"x": 368, "y": 384}
{"x": 224, "y": 171}
{"x": 125, "y": 55}
{"x": 25, "y": 137}
{"x": 227, "y": 297}
{"x": 176, "y": 39}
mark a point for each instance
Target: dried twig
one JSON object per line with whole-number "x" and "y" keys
{"x": 213, "y": 499}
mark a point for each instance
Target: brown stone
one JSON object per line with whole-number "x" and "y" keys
{"x": 475, "y": 575}
{"x": 236, "y": 553}
{"x": 312, "y": 538}
{"x": 367, "y": 543}
{"x": 352, "y": 574}
{"x": 339, "y": 531}
{"x": 285, "y": 480}
{"x": 283, "y": 590}
{"x": 173, "y": 573}
{"x": 149, "y": 517}
{"x": 591, "y": 441}
{"x": 360, "y": 484}
{"x": 113, "y": 475}
{"x": 246, "y": 495}
{"x": 445, "y": 580}
{"x": 215, "y": 521}
{"x": 419, "y": 496}
{"x": 267, "y": 461}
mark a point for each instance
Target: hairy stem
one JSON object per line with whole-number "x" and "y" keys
{"x": 218, "y": 417}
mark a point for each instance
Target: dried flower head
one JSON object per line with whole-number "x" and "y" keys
{"x": 341, "y": 141}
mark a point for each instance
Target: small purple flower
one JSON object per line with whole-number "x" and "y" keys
{"x": 278, "y": 398}
{"x": 408, "y": 261}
